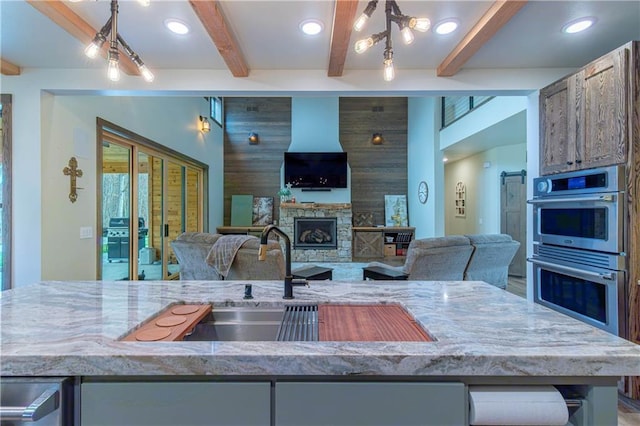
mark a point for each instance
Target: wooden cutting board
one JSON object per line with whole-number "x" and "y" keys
{"x": 368, "y": 323}
{"x": 170, "y": 325}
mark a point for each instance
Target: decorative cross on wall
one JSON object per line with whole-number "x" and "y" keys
{"x": 73, "y": 172}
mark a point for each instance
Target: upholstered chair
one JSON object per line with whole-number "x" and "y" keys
{"x": 491, "y": 258}
{"x": 193, "y": 248}
{"x": 435, "y": 258}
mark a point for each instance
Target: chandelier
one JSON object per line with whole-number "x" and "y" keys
{"x": 110, "y": 29}
{"x": 393, "y": 14}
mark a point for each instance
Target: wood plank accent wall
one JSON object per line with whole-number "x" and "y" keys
{"x": 376, "y": 170}
{"x": 254, "y": 169}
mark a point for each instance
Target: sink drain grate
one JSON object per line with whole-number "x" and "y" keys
{"x": 299, "y": 324}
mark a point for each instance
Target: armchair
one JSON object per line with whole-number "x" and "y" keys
{"x": 436, "y": 258}
{"x": 491, "y": 258}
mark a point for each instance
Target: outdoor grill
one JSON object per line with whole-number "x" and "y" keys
{"x": 118, "y": 237}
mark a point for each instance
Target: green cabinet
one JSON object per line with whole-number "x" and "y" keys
{"x": 165, "y": 403}
{"x": 370, "y": 403}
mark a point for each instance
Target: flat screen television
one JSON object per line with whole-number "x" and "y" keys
{"x": 315, "y": 169}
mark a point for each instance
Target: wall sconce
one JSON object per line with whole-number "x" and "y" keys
{"x": 205, "y": 126}
{"x": 377, "y": 139}
{"x": 254, "y": 138}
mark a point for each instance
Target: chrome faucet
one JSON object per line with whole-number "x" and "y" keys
{"x": 289, "y": 281}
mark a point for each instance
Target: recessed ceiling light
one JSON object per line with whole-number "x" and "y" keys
{"x": 176, "y": 26}
{"x": 578, "y": 25}
{"x": 311, "y": 26}
{"x": 445, "y": 159}
{"x": 446, "y": 26}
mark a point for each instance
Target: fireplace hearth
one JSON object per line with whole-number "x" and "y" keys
{"x": 315, "y": 233}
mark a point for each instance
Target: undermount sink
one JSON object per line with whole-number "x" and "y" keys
{"x": 290, "y": 323}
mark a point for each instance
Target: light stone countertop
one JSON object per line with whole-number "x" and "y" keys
{"x": 72, "y": 329}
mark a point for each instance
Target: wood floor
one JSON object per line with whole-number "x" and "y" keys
{"x": 628, "y": 409}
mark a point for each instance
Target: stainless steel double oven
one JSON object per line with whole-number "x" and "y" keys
{"x": 579, "y": 260}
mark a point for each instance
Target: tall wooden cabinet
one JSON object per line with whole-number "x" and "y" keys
{"x": 592, "y": 119}
{"x": 583, "y": 117}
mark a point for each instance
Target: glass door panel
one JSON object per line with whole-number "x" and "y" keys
{"x": 176, "y": 211}
{"x": 193, "y": 201}
{"x": 150, "y": 245}
{"x": 116, "y": 199}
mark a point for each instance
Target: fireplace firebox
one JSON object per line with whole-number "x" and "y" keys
{"x": 315, "y": 233}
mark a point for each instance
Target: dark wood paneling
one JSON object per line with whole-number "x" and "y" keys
{"x": 376, "y": 170}
{"x": 254, "y": 169}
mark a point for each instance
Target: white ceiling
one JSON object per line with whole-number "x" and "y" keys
{"x": 267, "y": 34}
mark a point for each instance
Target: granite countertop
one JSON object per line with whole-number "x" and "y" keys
{"x": 72, "y": 328}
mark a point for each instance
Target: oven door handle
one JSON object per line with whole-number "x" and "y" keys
{"x": 609, "y": 276}
{"x": 608, "y": 197}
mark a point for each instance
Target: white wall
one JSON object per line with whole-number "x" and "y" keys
{"x": 69, "y": 129}
{"x": 481, "y": 175}
{"x": 424, "y": 163}
{"x": 315, "y": 127}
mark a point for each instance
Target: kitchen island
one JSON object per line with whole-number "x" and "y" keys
{"x": 482, "y": 336}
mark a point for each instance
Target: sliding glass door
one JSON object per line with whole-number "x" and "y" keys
{"x": 165, "y": 191}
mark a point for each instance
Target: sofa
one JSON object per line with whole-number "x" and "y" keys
{"x": 480, "y": 257}
{"x": 193, "y": 248}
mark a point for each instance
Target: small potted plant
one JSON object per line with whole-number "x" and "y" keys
{"x": 285, "y": 193}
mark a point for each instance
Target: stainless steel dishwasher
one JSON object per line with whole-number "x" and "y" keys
{"x": 38, "y": 401}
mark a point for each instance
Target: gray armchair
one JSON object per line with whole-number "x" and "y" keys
{"x": 491, "y": 257}
{"x": 436, "y": 258}
{"x": 192, "y": 248}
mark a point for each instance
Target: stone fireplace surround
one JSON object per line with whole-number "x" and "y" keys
{"x": 341, "y": 211}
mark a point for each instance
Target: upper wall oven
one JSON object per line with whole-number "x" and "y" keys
{"x": 583, "y": 209}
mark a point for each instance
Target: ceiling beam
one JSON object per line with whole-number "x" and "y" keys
{"x": 7, "y": 68}
{"x": 72, "y": 23}
{"x": 209, "y": 13}
{"x": 495, "y": 18}
{"x": 343, "y": 18}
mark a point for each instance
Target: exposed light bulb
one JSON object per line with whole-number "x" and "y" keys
{"x": 407, "y": 35}
{"x": 363, "y": 45}
{"x": 113, "y": 71}
{"x": 421, "y": 24}
{"x": 92, "y": 50}
{"x": 389, "y": 73}
{"x": 146, "y": 74}
{"x": 360, "y": 22}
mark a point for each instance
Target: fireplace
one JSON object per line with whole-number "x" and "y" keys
{"x": 315, "y": 233}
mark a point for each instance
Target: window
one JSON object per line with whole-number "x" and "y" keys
{"x": 216, "y": 109}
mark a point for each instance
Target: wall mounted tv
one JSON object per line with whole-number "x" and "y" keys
{"x": 315, "y": 169}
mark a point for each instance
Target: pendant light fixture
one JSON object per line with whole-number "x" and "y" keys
{"x": 110, "y": 29}
{"x": 393, "y": 14}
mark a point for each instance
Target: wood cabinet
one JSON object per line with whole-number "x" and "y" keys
{"x": 583, "y": 117}
{"x": 385, "y": 242}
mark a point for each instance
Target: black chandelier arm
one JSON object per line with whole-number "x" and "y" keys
{"x": 133, "y": 55}
{"x": 104, "y": 31}
{"x": 371, "y": 7}
{"x": 388, "y": 8}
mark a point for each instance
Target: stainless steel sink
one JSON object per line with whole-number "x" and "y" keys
{"x": 257, "y": 324}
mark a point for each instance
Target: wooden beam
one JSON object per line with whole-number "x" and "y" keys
{"x": 7, "y": 68}
{"x": 495, "y": 18}
{"x": 209, "y": 13}
{"x": 72, "y": 23}
{"x": 343, "y": 18}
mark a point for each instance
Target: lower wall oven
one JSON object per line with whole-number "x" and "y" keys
{"x": 586, "y": 285}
